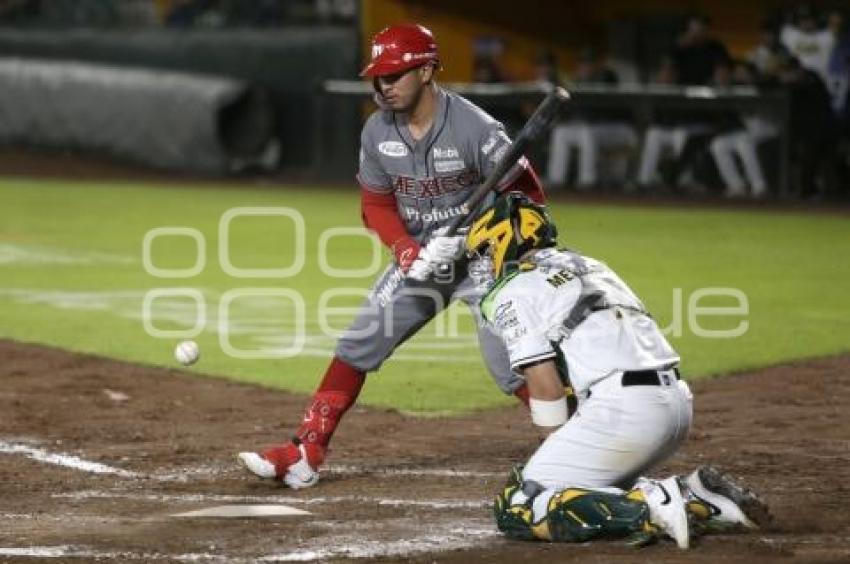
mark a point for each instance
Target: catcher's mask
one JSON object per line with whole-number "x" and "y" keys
{"x": 508, "y": 229}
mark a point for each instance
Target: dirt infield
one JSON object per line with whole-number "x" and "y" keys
{"x": 96, "y": 455}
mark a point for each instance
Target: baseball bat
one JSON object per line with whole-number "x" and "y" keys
{"x": 538, "y": 124}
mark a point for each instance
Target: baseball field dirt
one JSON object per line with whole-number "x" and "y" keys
{"x": 97, "y": 455}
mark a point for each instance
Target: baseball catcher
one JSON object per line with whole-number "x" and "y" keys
{"x": 568, "y": 318}
{"x": 421, "y": 156}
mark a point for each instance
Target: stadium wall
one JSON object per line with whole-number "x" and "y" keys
{"x": 289, "y": 63}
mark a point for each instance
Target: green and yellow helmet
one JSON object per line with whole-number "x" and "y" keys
{"x": 509, "y": 228}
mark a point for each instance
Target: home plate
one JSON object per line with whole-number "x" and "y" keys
{"x": 244, "y": 511}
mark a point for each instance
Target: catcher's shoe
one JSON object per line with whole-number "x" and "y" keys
{"x": 289, "y": 463}
{"x": 667, "y": 508}
{"x": 721, "y": 503}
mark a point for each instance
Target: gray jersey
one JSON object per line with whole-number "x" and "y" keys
{"x": 432, "y": 178}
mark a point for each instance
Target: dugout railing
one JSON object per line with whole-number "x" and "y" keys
{"x": 643, "y": 101}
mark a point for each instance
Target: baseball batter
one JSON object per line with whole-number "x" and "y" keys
{"x": 568, "y": 318}
{"x": 421, "y": 156}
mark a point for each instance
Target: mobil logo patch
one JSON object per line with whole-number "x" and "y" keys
{"x": 393, "y": 148}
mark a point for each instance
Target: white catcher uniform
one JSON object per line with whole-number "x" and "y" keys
{"x": 633, "y": 411}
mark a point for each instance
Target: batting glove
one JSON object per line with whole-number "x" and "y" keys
{"x": 442, "y": 248}
{"x": 422, "y": 267}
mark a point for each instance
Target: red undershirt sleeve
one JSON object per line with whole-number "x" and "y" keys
{"x": 380, "y": 214}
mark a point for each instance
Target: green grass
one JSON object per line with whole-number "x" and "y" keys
{"x": 71, "y": 275}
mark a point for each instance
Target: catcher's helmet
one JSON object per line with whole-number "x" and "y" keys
{"x": 399, "y": 48}
{"x": 509, "y": 228}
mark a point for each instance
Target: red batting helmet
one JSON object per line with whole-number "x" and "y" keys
{"x": 401, "y": 47}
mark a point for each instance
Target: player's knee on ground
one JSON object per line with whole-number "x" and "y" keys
{"x": 572, "y": 515}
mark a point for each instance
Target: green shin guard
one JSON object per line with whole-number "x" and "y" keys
{"x": 573, "y": 515}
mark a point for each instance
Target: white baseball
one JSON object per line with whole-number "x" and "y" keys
{"x": 187, "y": 353}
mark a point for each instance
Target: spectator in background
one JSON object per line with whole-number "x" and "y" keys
{"x": 546, "y": 67}
{"x": 698, "y": 59}
{"x": 697, "y": 52}
{"x": 838, "y": 82}
{"x": 813, "y": 124}
{"x": 766, "y": 54}
{"x": 742, "y": 143}
{"x": 671, "y": 131}
{"x": 589, "y": 131}
{"x": 185, "y": 13}
{"x": 488, "y": 68}
{"x": 485, "y": 68}
{"x": 811, "y": 44}
{"x": 256, "y": 14}
{"x": 838, "y": 70}
{"x": 487, "y": 53}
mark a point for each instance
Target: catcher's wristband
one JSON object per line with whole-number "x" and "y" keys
{"x": 546, "y": 413}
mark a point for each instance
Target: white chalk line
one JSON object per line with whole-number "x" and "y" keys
{"x": 73, "y": 462}
{"x": 349, "y": 469}
{"x": 65, "y": 460}
{"x": 64, "y": 518}
{"x": 230, "y": 498}
{"x": 437, "y": 541}
{"x": 350, "y": 548}
{"x": 441, "y": 539}
{"x": 38, "y": 255}
{"x": 66, "y": 551}
{"x": 438, "y": 537}
{"x": 419, "y": 545}
{"x": 185, "y": 474}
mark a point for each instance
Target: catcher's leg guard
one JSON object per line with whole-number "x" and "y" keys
{"x": 578, "y": 515}
{"x": 572, "y": 515}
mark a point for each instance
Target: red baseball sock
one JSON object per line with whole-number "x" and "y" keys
{"x": 338, "y": 391}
